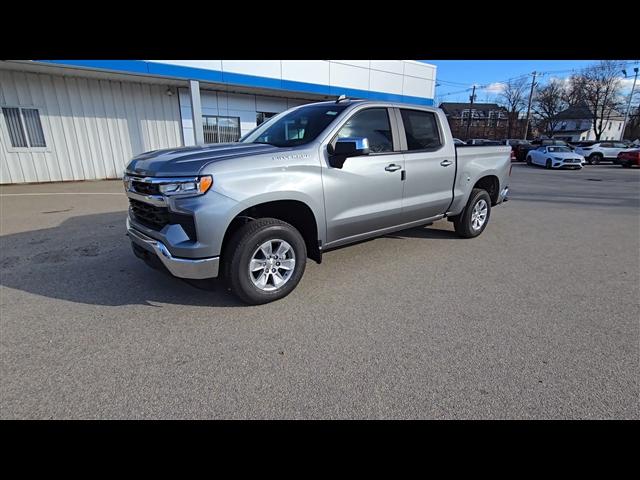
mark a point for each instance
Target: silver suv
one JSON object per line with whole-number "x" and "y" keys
{"x": 599, "y": 151}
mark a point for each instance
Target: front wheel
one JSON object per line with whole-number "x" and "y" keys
{"x": 595, "y": 159}
{"x": 548, "y": 164}
{"x": 473, "y": 220}
{"x": 265, "y": 260}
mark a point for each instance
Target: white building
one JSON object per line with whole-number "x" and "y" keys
{"x": 85, "y": 119}
{"x": 576, "y": 124}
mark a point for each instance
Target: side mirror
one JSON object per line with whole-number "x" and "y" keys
{"x": 347, "y": 147}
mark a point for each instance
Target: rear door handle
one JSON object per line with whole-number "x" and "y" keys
{"x": 392, "y": 168}
{"x": 446, "y": 163}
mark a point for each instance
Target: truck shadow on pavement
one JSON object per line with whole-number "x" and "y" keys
{"x": 88, "y": 259}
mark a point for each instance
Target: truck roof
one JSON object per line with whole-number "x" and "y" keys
{"x": 360, "y": 101}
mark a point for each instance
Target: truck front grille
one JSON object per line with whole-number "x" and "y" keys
{"x": 148, "y": 215}
{"x": 145, "y": 188}
{"x": 156, "y": 218}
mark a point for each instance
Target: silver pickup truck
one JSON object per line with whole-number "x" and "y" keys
{"x": 310, "y": 179}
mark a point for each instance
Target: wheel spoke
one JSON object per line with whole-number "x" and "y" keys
{"x": 266, "y": 249}
{"x": 287, "y": 264}
{"x": 282, "y": 250}
{"x": 256, "y": 265}
{"x": 262, "y": 280}
{"x": 277, "y": 279}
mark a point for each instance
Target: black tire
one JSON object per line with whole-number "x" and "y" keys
{"x": 595, "y": 159}
{"x": 625, "y": 165}
{"x": 462, "y": 222}
{"x": 547, "y": 165}
{"x": 529, "y": 162}
{"x": 241, "y": 248}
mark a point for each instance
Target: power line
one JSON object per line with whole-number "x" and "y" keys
{"x": 524, "y": 75}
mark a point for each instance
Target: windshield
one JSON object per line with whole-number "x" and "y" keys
{"x": 558, "y": 149}
{"x": 297, "y": 127}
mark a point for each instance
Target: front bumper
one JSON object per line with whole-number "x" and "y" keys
{"x": 180, "y": 267}
{"x": 566, "y": 165}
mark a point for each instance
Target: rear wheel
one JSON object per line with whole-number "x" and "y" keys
{"x": 625, "y": 165}
{"x": 529, "y": 162}
{"x": 265, "y": 261}
{"x": 473, "y": 220}
{"x": 595, "y": 159}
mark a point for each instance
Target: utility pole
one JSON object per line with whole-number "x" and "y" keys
{"x": 526, "y": 125}
{"x": 471, "y": 98}
{"x": 626, "y": 115}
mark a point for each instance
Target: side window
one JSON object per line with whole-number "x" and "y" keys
{"x": 421, "y": 129}
{"x": 372, "y": 124}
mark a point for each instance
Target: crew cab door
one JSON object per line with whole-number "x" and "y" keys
{"x": 430, "y": 164}
{"x": 365, "y": 194}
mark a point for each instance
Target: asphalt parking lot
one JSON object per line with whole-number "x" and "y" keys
{"x": 536, "y": 318}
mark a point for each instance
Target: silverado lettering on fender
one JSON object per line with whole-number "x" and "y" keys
{"x": 308, "y": 180}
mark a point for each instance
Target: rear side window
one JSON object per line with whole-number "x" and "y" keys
{"x": 373, "y": 124}
{"x": 421, "y": 129}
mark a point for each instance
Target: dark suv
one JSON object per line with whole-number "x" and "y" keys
{"x": 521, "y": 154}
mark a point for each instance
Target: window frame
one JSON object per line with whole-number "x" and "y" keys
{"x": 218, "y": 117}
{"x": 403, "y": 133}
{"x": 43, "y": 123}
{"x": 393, "y": 123}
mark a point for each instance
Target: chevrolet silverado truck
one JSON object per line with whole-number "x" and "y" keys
{"x": 308, "y": 180}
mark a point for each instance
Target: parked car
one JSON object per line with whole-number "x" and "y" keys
{"x": 313, "y": 178}
{"x": 628, "y": 158}
{"x": 553, "y": 156}
{"x": 457, "y": 141}
{"x": 524, "y": 149}
{"x": 516, "y": 144}
{"x": 600, "y": 151}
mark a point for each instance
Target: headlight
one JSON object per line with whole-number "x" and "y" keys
{"x": 199, "y": 186}
{"x": 127, "y": 183}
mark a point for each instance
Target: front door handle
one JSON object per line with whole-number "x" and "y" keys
{"x": 446, "y": 163}
{"x": 392, "y": 168}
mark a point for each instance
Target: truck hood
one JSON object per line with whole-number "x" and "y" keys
{"x": 187, "y": 161}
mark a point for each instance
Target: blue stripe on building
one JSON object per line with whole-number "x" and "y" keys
{"x": 229, "y": 78}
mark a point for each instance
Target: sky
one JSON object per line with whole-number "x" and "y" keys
{"x": 454, "y": 76}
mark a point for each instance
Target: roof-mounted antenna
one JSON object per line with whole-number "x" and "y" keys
{"x": 341, "y": 97}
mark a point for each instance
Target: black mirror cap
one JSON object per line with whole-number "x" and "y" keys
{"x": 351, "y": 146}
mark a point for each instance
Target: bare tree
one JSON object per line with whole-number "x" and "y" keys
{"x": 514, "y": 99}
{"x": 550, "y": 100}
{"x": 598, "y": 87}
{"x": 575, "y": 90}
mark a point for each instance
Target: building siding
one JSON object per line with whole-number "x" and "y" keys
{"x": 92, "y": 126}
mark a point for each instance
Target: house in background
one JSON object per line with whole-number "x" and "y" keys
{"x": 488, "y": 120}
{"x": 575, "y": 124}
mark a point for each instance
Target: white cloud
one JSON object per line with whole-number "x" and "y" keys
{"x": 495, "y": 88}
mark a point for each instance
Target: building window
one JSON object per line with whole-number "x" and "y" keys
{"x": 219, "y": 129}
{"x": 24, "y": 127}
{"x": 262, "y": 117}
{"x": 619, "y": 126}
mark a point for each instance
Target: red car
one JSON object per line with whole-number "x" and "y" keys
{"x": 628, "y": 158}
